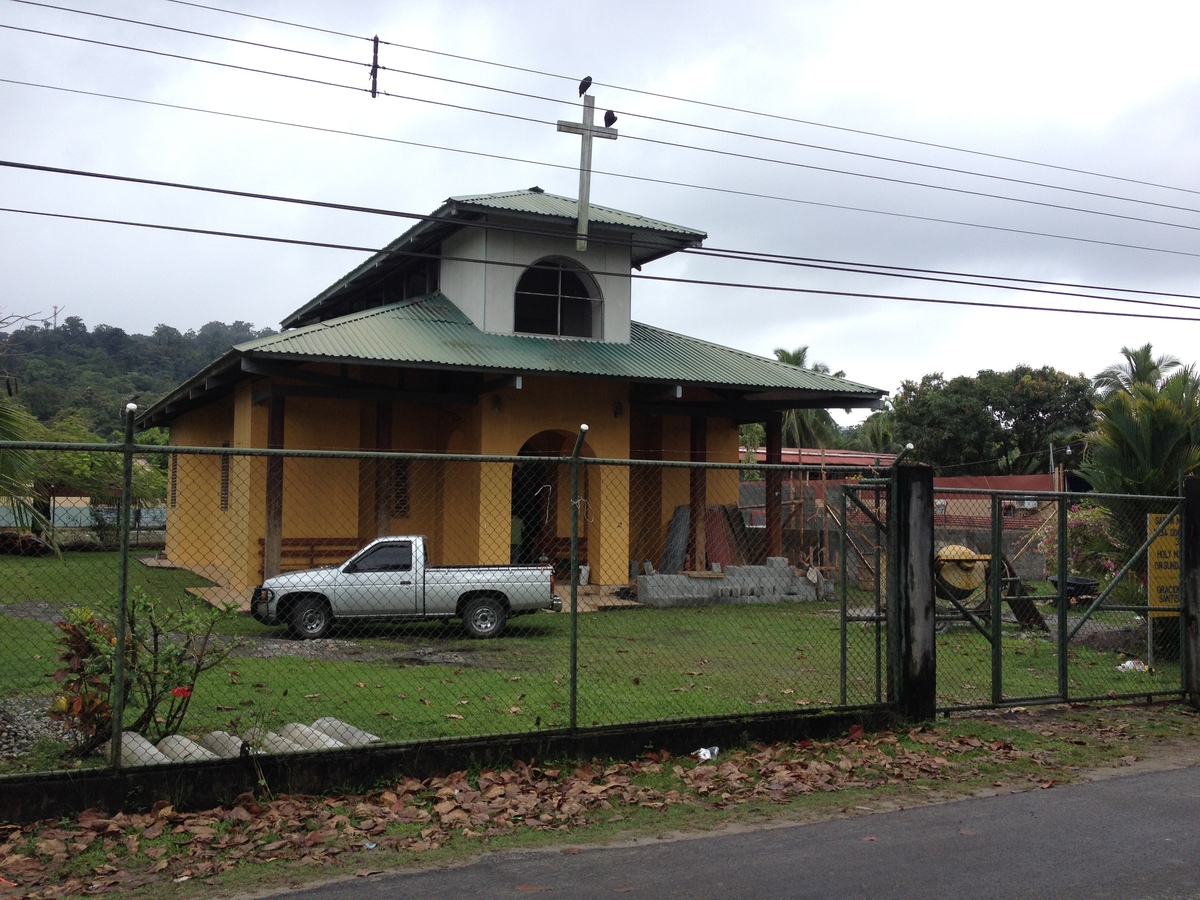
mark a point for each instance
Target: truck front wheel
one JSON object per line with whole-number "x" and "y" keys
{"x": 310, "y": 618}
{"x": 484, "y": 617}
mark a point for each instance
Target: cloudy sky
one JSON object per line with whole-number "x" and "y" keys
{"x": 1042, "y": 145}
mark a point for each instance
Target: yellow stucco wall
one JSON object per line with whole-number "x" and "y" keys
{"x": 463, "y": 508}
{"x": 559, "y": 406}
{"x": 199, "y": 531}
{"x": 321, "y": 497}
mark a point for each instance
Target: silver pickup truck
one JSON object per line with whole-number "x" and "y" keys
{"x": 389, "y": 579}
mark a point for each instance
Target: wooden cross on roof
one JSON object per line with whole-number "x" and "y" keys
{"x": 586, "y": 130}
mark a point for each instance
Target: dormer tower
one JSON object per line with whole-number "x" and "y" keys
{"x": 511, "y": 263}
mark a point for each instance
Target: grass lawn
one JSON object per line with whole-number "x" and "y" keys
{"x": 424, "y": 680}
{"x": 77, "y": 579}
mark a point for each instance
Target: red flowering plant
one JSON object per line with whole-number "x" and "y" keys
{"x": 1094, "y": 549}
{"x": 169, "y": 645}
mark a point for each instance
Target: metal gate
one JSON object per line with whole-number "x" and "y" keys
{"x": 1038, "y": 597}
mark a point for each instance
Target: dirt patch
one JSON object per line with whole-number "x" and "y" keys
{"x": 332, "y": 649}
{"x": 343, "y": 650}
{"x": 35, "y": 609}
{"x": 1130, "y": 641}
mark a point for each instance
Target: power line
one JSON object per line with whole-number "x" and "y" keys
{"x": 640, "y": 178}
{"x": 707, "y": 128}
{"x": 571, "y": 79}
{"x": 246, "y": 15}
{"x": 164, "y": 54}
{"x": 786, "y": 258}
{"x": 192, "y": 33}
{"x": 685, "y": 146}
{"x": 1028, "y": 285}
{"x": 639, "y": 276}
{"x": 751, "y": 256}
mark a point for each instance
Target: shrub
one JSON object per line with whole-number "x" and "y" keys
{"x": 168, "y": 645}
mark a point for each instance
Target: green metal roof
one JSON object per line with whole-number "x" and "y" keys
{"x": 431, "y": 331}
{"x": 535, "y": 201}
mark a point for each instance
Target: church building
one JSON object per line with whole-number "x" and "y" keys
{"x": 491, "y": 327}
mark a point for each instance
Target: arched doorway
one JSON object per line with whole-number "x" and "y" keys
{"x": 541, "y": 502}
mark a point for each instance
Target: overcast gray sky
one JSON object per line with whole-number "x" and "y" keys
{"x": 850, "y": 145}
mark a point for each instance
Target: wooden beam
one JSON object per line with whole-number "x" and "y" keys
{"x": 273, "y": 538}
{"x": 698, "y": 497}
{"x": 773, "y": 484}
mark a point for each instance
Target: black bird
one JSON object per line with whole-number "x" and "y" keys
{"x": 609, "y": 118}
{"x": 584, "y": 85}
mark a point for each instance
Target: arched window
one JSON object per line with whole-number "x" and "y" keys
{"x": 557, "y": 298}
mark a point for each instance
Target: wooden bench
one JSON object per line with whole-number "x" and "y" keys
{"x": 298, "y": 553}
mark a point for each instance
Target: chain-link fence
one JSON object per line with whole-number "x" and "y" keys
{"x": 282, "y": 601}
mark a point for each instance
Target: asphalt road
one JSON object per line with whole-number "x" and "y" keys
{"x": 1128, "y": 837}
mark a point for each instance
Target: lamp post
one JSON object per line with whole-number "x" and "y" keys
{"x": 1059, "y": 479}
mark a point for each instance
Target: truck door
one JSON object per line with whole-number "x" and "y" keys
{"x": 380, "y": 582}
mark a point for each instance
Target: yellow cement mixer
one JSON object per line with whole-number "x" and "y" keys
{"x": 962, "y": 580}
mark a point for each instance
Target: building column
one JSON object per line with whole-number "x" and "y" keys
{"x": 608, "y": 532}
{"x": 495, "y": 514}
{"x": 773, "y": 501}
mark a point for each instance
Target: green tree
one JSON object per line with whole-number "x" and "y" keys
{"x": 994, "y": 422}
{"x": 808, "y": 427}
{"x": 948, "y": 423}
{"x": 1035, "y": 408}
{"x": 1146, "y": 439}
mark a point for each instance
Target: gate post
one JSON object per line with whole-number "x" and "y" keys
{"x": 1189, "y": 613}
{"x": 911, "y": 649}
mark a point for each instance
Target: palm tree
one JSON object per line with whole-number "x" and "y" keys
{"x": 17, "y": 466}
{"x": 808, "y": 427}
{"x": 1141, "y": 366}
{"x": 1147, "y": 437}
{"x": 877, "y": 433}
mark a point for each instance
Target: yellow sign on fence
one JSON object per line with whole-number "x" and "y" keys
{"x": 1162, "y": 566}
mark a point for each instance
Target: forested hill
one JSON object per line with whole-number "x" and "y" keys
{"x": 71, "y": 372}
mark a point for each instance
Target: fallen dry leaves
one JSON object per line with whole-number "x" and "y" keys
{"x": 125, "y": 851}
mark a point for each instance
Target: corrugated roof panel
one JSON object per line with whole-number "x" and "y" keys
{"x": 433, "y": 331}
{"x": 539, "y": 202}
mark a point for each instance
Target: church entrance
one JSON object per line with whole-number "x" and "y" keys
{"x": 532, "y": 508}
{"x": 541, "y": 503}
